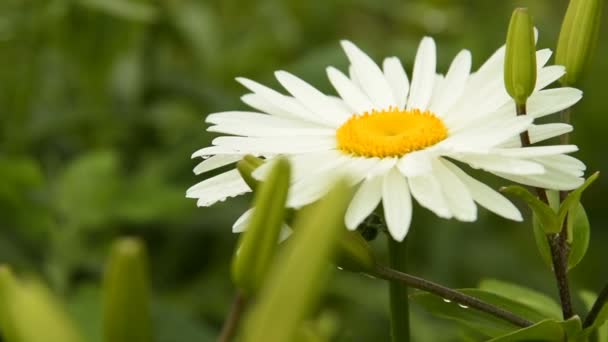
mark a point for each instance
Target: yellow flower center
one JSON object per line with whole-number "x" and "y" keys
{"x": 390, "y": 133}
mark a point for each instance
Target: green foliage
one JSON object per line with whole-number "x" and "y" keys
{"x": 545, "y": 215}
{"x": 295, "y": 284}
{"x": 257, "y": 246}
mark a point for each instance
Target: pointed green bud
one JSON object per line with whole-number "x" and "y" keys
{"x": 31, "y": 313}
{"x": 257, "y": 246}
{"x": 126, "y": 312}
{"x": 354, "y": 253}
{"x": 578, "y": 38}
{"x": 246, "y": 166}
{"x": 296, "y": 281}
{"x": 520, "y": 57}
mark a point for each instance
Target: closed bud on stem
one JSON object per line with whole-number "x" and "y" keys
{"x": 520, "y": 57}
{"x": 126, "y": 312}
{"x": 578, "y": 38}
{"x": 246, "y": 166}
{"x": 257, "y": 246}
{"x": 354, "y": 253}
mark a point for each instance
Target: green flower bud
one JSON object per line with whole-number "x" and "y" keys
{"x": 246, "y": 166}
{"x": 29, "y": 312}
{"x": 258, "y": 244}
{"x": 126, "y": 312}
{"x": 354, "y": 253}
{"x": 295, "y": 283}
{"x": 520, "y": 57}
{"x": 578, "y": 38}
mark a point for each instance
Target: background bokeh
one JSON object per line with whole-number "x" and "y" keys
{"x": 103, "y": 101}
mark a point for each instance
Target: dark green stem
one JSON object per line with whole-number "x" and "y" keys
{"x": 597, "y": 307}
{"x": 400, "y": 316}
{"x": 232, "y": 321}
{"x": 386, "y": 273}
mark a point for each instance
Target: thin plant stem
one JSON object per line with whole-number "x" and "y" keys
{"x": 392, "y": 275}
{"x": 234, "y": 317}
{"x": 400, "y": 316}
{"x": 601, "y": 300}
{"x": 557, "y": 242}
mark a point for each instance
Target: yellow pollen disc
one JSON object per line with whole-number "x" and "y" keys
{"x": 390, "y": 133}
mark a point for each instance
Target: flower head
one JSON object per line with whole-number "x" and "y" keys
{"x": 395, "y": 139}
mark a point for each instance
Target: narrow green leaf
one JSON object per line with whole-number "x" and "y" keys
{"x": 542, "y": 245}
{"x": 295, "y": 283}
{"x": 354, "y": 253}
{"x": 534, "y": 299}
{"x": 574, "y": 198}
{"x": 546, "y": 216}
{"x": 573, "y": 328}
{"x": 483, "y": 322}
{"x": 578, "y": 235}
{"x": 257, "y": 246}
{"x": 547, "y": 330}
{"x": 126, "y": 312}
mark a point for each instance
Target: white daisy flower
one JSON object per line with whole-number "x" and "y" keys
{"x": 397, "y": 139}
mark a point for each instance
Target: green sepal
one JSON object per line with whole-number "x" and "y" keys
{"x": 520, "y": 57}
{"x": 295, "y": 282}
{"x": 246, "y": 166}
{"x": 545, "y": 215}
{"x": 126, "y": 307}
{"x": 574, "y": 198}
{"x": 258, "y": 244}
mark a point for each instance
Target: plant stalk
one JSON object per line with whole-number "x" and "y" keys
{"x": 400, "y": 320}
{"x": 234, "y": 317}
{"x": 601, "y": 300}
{"x": 386, "y": 273}
{"x": 557, "y": 242}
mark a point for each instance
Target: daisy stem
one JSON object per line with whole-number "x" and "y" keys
{"x": 601, "y": 300}
{"x": 386, "y": 273}
{"x": 400, "y": 316}
{"x": 557, "y": 242}
{"x": 234, "y": 316}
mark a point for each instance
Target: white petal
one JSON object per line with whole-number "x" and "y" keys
{"x": 540, "y": 133}
{"x": 382, "y": 167}
{"x": 215, "y": 162}
{"x": 415, "y": 164}
{"x": 535, "y": 151}
{"x": 496, "y": 163}
{"x": 218, "y": 188}
{"x": 486, "y": 196}
{"x": 423, "y": 75}
{"x": 551, "y": 101}
{"x": 487, "y": 133}
{"x": 276, "y": 145}
{"x": 258, "y": 102}
{"x": 397, "y": 78}
{"x": 563, "y": 163}
{"x": 397, "y": 204}
{"x": 364, "y": 202}
{"x": 314, "y": 186}
{"x": 453, "y": 85}
{"x": 542, "y": 57}
{"x": 312, "y": 98}
{"x": 548, "y": 75}
{"x": 240, "y": 225}
{"x": 370, "y": 76}
{"x": 552, "y": 180}
{"x": 427, "y": 191}
{"x": 349, "y": 91}
{"x": 457, "y": 195}
{"x": 285, "y": 103}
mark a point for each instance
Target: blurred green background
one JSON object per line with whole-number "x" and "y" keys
{"x": 103, "y": 101}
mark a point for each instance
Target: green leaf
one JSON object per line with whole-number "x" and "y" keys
{"x": 295, "y": 283}
{"x": 573, "y": 328}
{"x": 534, "y": 299}
{"x": 546, "y": 216}
{"x": 541, "y": 241}
{"x": 547, "y": 330}
{"x": 578, "y": 235}
{"x": 126, "y": 9}
{"x": 257, "y": 246}
{"x": 485, "y": 323}
{"x": 574, "y": 198}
